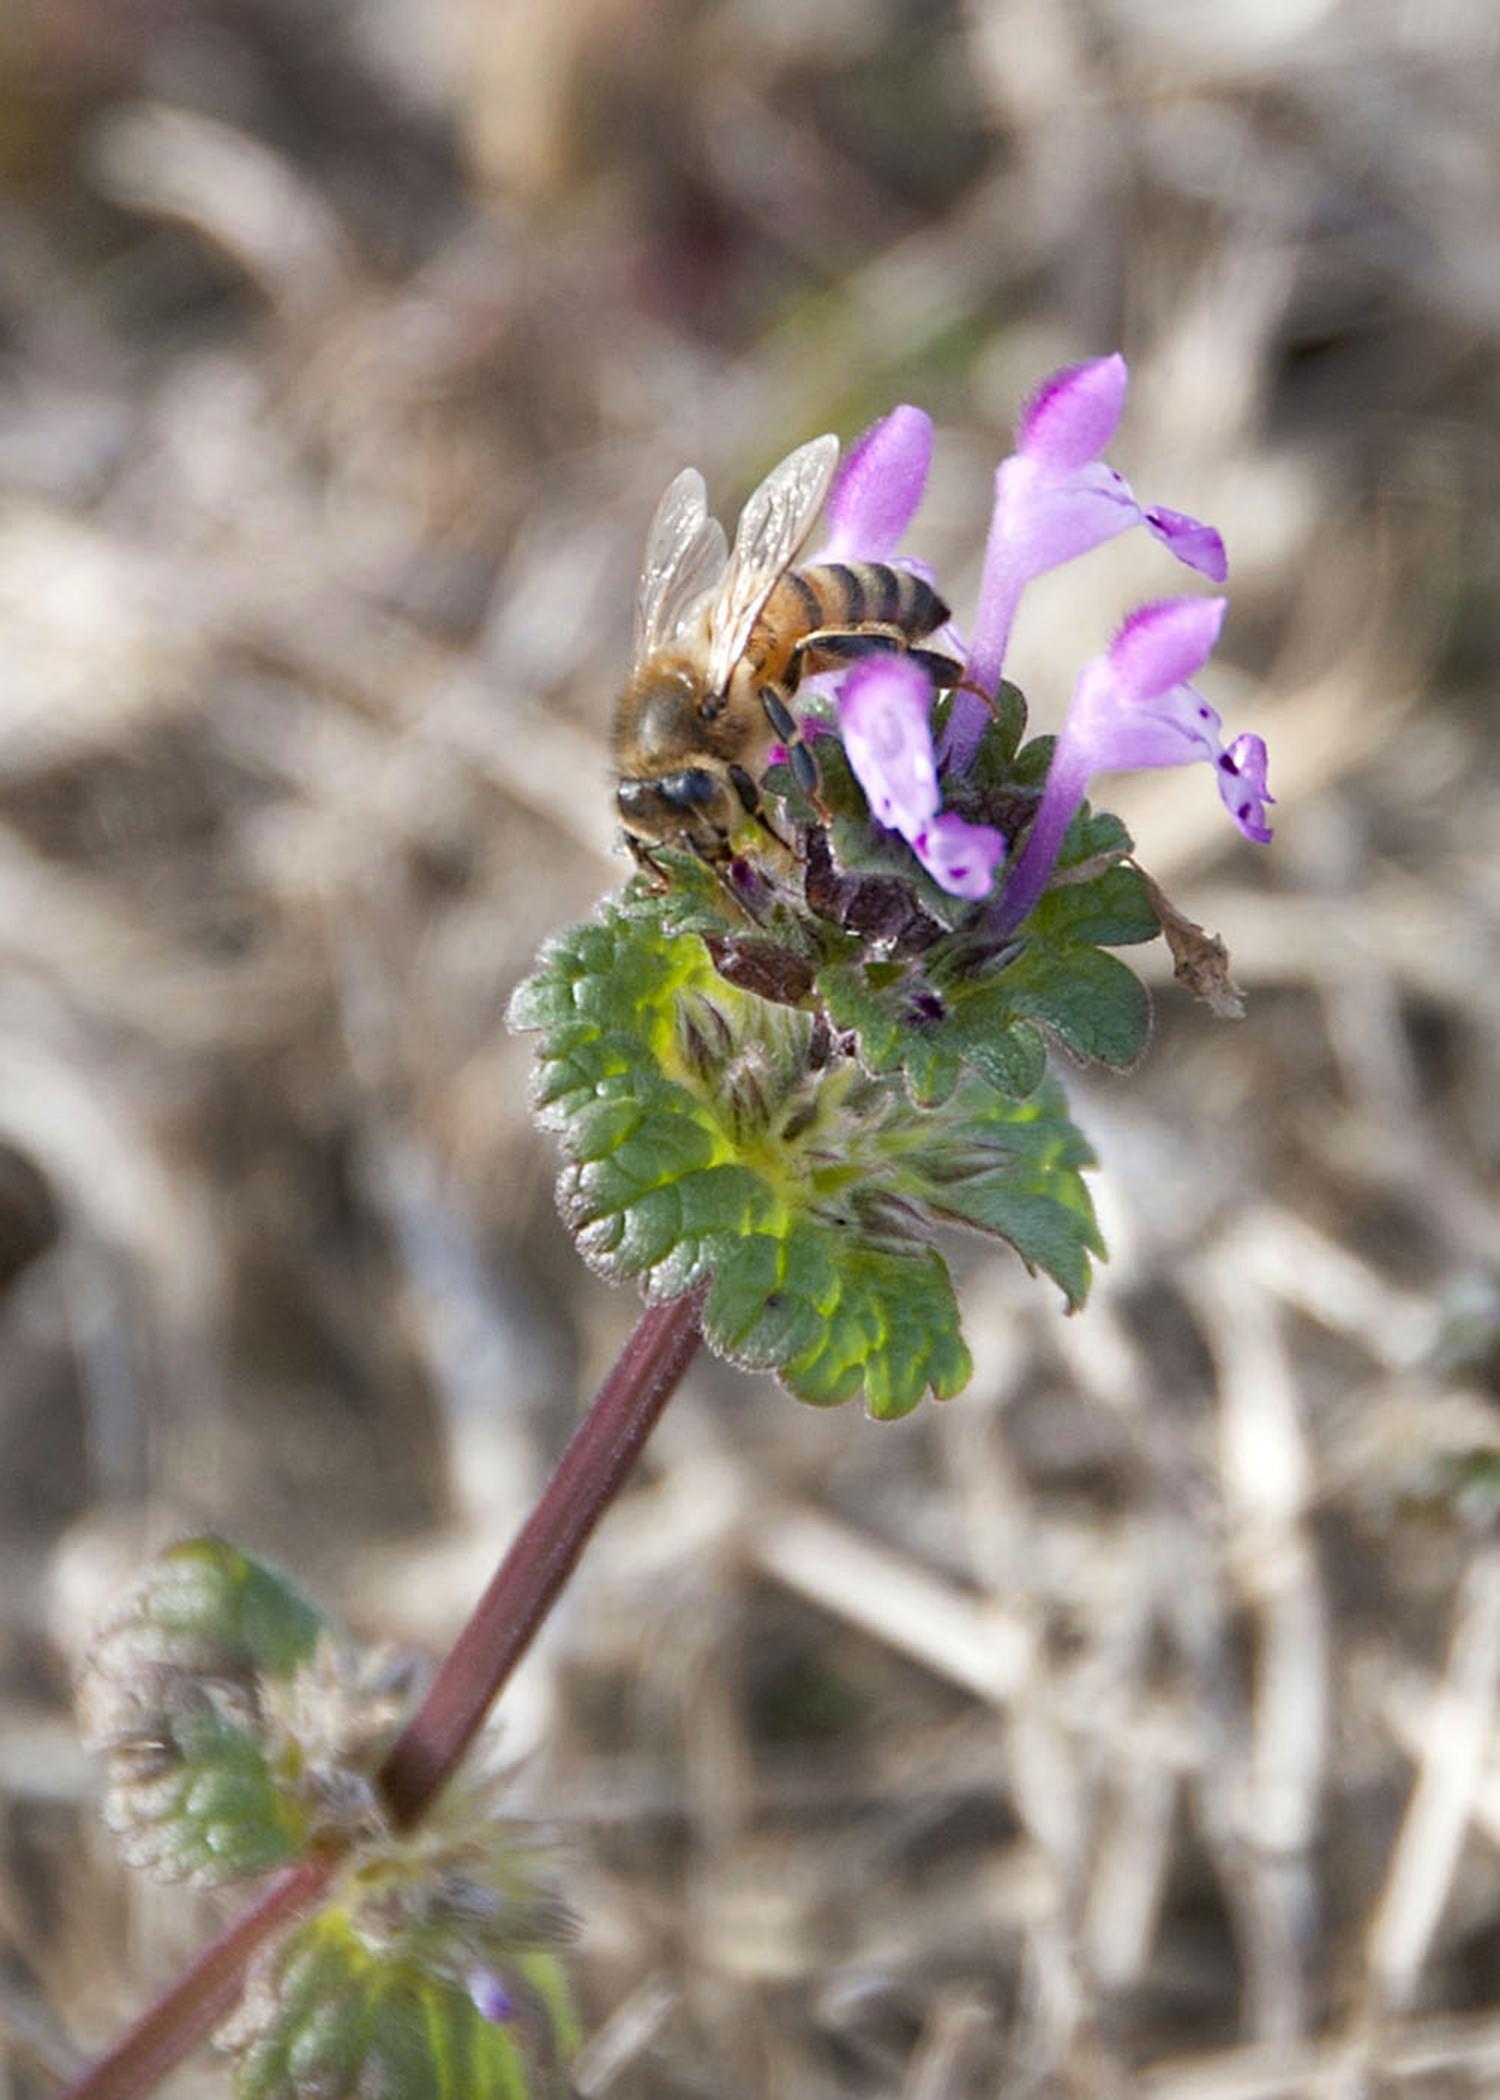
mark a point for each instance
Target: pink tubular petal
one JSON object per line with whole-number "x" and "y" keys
{"x": 1162, "y": 645}
{"x": 960, "y": 857}
{"x": 1135, "y": 708}
{"x": 878, "y": 487}
{"x": 1198, "y": 545}
{"x": 1048, "y": 522}
{"x": 1056, "y": 499}
{"x": 885, "y": 709}
{"x": 1039, "y": 521}
{"x": 1110, "y": 729}
{"x": 1072, "y": 416}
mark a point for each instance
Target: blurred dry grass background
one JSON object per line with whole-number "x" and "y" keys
{"x": 1128, "y": 1724}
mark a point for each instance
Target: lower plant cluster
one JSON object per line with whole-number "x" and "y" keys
{"x": 243, "y": 1731}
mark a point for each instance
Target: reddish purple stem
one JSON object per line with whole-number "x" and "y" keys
{"x": 190, "y": 2009}
{"x": 590, "y": 1473}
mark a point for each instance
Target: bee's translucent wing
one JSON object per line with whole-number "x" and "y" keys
{"x": 772, "y": 528}
{"x": 685, "y": 556}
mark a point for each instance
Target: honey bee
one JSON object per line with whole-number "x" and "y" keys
{"x": 722, "y": 641}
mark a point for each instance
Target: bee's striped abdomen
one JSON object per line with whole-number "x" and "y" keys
{"x": 858, "y": 594}
{"x": 837, "y": 599}
{"x": 840, "y": 598}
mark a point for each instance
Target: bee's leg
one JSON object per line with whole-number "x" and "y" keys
{"x": 805, "y": 772}
{"x": 876, "y": 641}
{"x": 946, "y": 673}
{"x": 715, "y": 856}
{"x": 779, "y": 715}
{"x": 713, "y": 851}
{"x": 942, "y": 670}
{"x": 799, "y": 757}
{"x": 749, "y": 794}
{"x": 824, "y": 650}
{"x": 844, "y": 646}
{"x": 648, "y": 864}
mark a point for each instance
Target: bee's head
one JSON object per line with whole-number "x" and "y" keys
{"x": 694, "y": 805}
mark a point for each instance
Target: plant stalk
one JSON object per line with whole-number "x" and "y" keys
{"x": 525, "y": 1586}
{"x": 594, "y": 1467}
{"x": 205, "y": 1994}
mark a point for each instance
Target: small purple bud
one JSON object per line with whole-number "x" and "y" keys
{"x": 750, "y": 886}
{"x": 489, "y": 1997}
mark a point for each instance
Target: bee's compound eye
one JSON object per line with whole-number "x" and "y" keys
{"x": 689, "y": 789}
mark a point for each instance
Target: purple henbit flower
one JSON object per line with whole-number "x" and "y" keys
{"x": 878, "y": 487}
{"x": 489, "y": 1997}
{"x": 1134, "y": 708}
{"x": 885, "y": 711}
{"x": 1054, "y": 499}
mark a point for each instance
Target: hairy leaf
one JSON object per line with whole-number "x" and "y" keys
{"x": 905, "y": 1023}
{"x": 332, "y": 2016}
{"x": 713, "y": 1135}
{"x": 1013, "y": 1169}
{"x": 175, "y": 1696}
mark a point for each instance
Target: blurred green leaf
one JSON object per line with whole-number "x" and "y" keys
{"x": 332, "y": 2016}
{"x": 200, "y": 1786}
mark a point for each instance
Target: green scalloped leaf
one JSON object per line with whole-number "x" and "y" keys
{"x": 1062, "y": 978}
{"x": 711, "y": 1138}
{"x": 1013, "y": 1169}
{"x": 1057, "y": 973}
{"x": 173, "y": 1696}
{"x": 335, "y": 2018}
{"x": 218, "y": 1816}
{"x": 703, "y": 1144}
{"x": 1110, "y": 910}
{"x": 834, "y": 1314}
{"x": 1092, "y": 1003}
{"x": 207, "y": 1593}
{"x": 904, "y": 1023}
